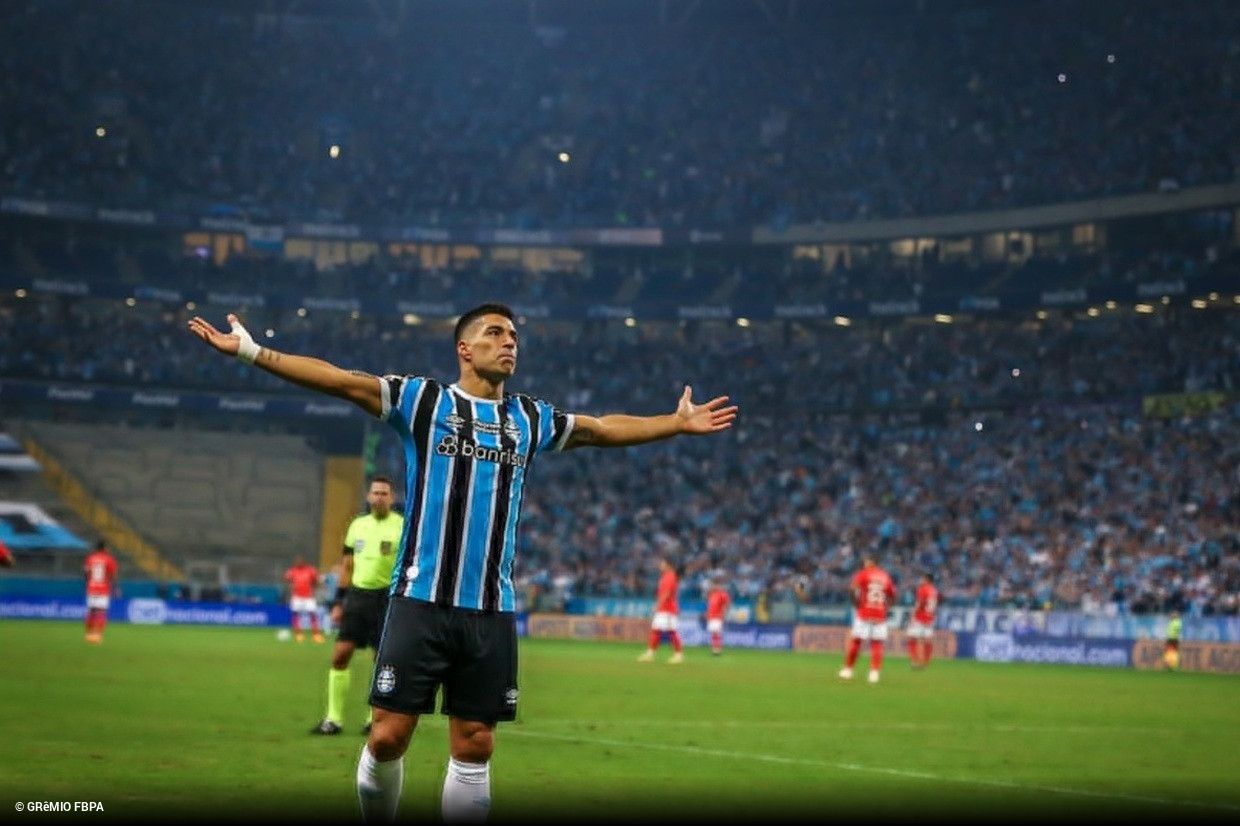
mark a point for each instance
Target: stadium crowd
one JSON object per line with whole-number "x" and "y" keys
{"x": 606, "y": 365}
{"x": 1008, "y": 454}
{"x": 833, "y": 116}
{"x": 1096, "y": 508}
{"x": 1010, "y": 457}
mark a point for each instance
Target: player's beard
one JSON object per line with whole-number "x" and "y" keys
{"x": 499, "y": 373}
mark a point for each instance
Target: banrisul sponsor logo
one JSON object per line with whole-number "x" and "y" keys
{"x": 456, "y": 447}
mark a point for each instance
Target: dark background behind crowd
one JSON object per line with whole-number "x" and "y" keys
{"x": 729, "y": 118}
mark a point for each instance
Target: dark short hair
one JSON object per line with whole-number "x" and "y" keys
{"x": 470, "y": 316}
{"x": 381, "y": 479}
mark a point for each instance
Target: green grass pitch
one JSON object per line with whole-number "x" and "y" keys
{"x": 184, "y": 724}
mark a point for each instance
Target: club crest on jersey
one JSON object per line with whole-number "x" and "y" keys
{"x": 385, "y": 679}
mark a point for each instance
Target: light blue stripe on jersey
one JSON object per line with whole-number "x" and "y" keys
{"x": 479, "y": 512}
{"x": 529, "y": 443}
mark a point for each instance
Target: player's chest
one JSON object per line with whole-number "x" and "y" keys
{"x": 499, "y": 440}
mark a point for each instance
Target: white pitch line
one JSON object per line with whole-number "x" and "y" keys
{"x": 854, "y": 767}
{"x": 830, "y": 724}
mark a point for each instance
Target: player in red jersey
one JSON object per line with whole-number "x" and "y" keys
{"x": 100, "y": 571}
{"x": 921, "y": 628}
{"x": 6, "y": 557}
{"x": 302, "y": 579}
{"x": 873, "y": 593}
{"x": 717, "y": 602}
{"x": 666, "y": 613}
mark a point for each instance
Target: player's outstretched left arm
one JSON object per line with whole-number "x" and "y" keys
{"x": 620, "y": 430}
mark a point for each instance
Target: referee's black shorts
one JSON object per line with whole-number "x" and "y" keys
{"x": 471, "y": 654}
{"x": 361, "y": 616}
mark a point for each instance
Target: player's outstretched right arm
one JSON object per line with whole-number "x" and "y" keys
{"x": 361, "y": 388}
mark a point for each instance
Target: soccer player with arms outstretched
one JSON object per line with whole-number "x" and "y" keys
{"x": 451, "y": 621}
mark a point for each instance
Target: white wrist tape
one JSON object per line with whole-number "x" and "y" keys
{"x": 248, "y": 351}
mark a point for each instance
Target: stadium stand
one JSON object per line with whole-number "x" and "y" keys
{"x": 29, "y": 486}
{"x": 246, "y": 502}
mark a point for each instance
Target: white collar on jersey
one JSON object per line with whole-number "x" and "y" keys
{"x": 456, "y": 388}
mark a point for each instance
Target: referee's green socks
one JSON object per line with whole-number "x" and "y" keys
{"x": 337, "y": 691}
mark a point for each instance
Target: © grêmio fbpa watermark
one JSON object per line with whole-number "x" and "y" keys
{"x": 58, "y": 806}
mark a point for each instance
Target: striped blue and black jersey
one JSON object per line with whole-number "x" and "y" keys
{"x": 466, "y": 461}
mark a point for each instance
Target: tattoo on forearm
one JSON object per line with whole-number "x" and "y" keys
{"x": 361, "y": 373}
{"x": 584, "y": 435}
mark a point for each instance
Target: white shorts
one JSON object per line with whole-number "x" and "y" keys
{"x": 98, "y": 601}
{"x": 920, "y": 630}
{"x": 303, "y": 605}
{"x": 663, "y": 621}
{"x": 869, "y": 629}
{"x": 715, "y": 626}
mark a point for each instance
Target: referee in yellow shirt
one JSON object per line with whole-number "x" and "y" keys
{"x": 370, "y": 547}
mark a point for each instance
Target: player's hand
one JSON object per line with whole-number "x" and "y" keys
{"x": 710, "y": 417}
{"x": 337, "y": 612}
{"x": 238, "y": 342}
